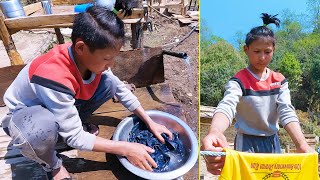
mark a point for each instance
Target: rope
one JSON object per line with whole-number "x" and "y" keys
{"x": 210, "y": 153}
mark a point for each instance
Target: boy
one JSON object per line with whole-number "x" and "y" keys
{"x": 58, "y": 91}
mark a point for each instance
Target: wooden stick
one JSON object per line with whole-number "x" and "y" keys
{"x": 33, "y": 22}
{"x": 14, "y": 56}
{"x": 59, "y": 35}
{"x": 12, "y": 31}
{"x": 160, "y": 13}
{"x": 52, "y": 20}
{"x": 182, "y": 8}
{"x": 151, "y": 3}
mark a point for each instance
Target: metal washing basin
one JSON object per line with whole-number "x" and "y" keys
{"x": 174, "y": 124}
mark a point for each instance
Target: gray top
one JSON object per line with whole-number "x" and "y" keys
{"x": 257, "y": 104}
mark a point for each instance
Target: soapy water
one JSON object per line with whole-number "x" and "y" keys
{"x": 168, "y": 156}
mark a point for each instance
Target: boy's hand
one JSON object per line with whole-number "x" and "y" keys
{"x": 158, "y": 129}
{"x": 215, "y": 141}
{"x": 138, "y": 155}
{"x": 155, "y": 128}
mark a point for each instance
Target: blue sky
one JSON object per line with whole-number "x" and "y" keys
{"x": 226, "y": 17}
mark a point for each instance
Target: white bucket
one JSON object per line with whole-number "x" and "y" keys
{"x": 12, "y": 8}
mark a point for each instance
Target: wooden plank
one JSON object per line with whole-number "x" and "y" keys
{"x": 6, "y": 148}
{"x": 137, "y": 35}
{"x": 70, "y": 2}
{"x": 4, "y": 140}
{"x": 206, "y": 111}
{"x": 178, "y": 16}
{"x": 167, "y": 6}
{"x": 194, "y": 18}
{"x": 51, "y": 20}
{"x": 309, "y": 136}
{"x": 132, "y": 21}
{"x": 136, "y": 13}
{"x": 192, "y": 13}
{"x": 21, "y": 168}
{"x": 68, "y": 25}
{"x": 185, "y": 20}
{"x": 38, "y": 21}
{"x": 14, "y": 56}
{"x": 79, "y": 1}
{"x": 31, "y": 8}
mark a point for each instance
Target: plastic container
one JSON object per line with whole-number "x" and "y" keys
{"x": 12, "y": 9}
{"x": 46, "y": 5}
{"x": 109, "y": 4}
{"x": 82, "y": 7}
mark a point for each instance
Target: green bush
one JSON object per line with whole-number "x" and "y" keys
{"x": 219, "y": 62}
{"x": 291, "y": 69}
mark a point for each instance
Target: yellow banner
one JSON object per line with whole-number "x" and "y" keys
{"x": 265, "y": 166}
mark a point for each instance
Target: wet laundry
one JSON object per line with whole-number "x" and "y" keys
{"x": 163, "y": 152}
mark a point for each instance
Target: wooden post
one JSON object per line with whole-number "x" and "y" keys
{"x": 182, "y": 8}
{"x": 151, "y": 3}
{"x": 59, "y": 35}
{"x": 137, "y": 35}
{"x": 164, "y": 4}
{"x": 14, "y": 56}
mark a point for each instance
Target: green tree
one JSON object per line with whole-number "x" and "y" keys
{"x": 314, "y": 8}
{"x": 219, "y": 62}
{"x": 240, "y": 39}
{"x": 204, "y": 34}
{"x": 291, "y": 69}
{"x": 315, "y": 85}
{"x": 306, "y": 50}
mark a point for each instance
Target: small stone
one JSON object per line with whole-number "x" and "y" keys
{"x": 189, "y": 94}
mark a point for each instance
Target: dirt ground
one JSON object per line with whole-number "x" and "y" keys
{"x": 181, "y": 76}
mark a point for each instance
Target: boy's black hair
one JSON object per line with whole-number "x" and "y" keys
{"x": 263, "y": 31}
{"x": 98, "y": 28}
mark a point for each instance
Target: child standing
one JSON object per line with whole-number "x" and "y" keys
{"x": 54, "y": 94}
{"x": 258, "y": 98}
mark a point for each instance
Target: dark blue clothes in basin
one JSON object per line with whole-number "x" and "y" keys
{"x": 163, "y": 152}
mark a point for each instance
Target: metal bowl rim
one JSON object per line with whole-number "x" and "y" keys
{"x": 154, "y": 175}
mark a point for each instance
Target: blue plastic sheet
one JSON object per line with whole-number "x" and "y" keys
{"x": 163, "y": 152}
{"x": 82, "y": 7}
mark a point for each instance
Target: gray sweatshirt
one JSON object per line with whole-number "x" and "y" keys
{"x": 54, "y": 81}
{"x": 256, "y": 103}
